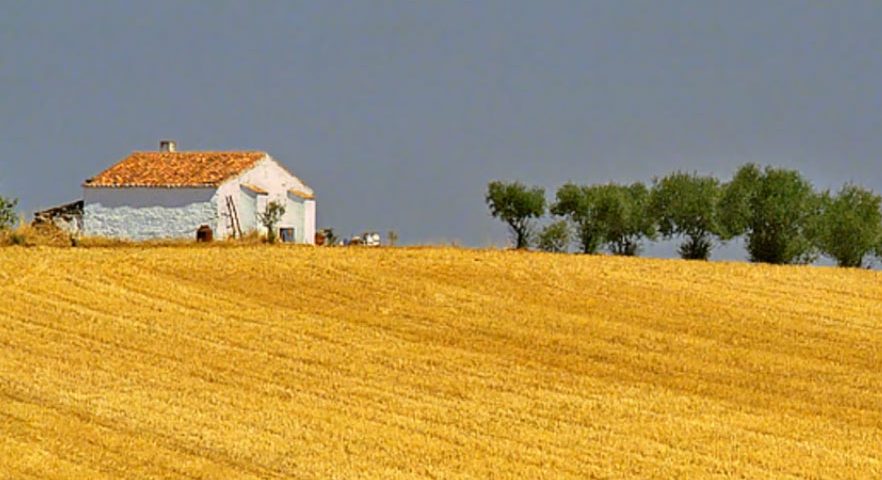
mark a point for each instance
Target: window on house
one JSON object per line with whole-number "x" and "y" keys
{"x": 286, "y": 234}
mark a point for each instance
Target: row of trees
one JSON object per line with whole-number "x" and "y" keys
{"x": 780, "y": 215}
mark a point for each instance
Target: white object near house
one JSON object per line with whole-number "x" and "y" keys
{"x": 170, "y": 194}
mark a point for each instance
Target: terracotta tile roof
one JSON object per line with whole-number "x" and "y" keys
{"x": 175, "y": 169}
{"x": 301, "y": 194}
{"x": 255, "y": 189}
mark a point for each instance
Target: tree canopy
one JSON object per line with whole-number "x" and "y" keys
{"x": 578, "y": 204}
{"x": 685, "y": 205}
{"x": 517, "y": 206}
{"x": 776, "y": 210}
{"x": 850, "y": 227}
{"x": 624, "y": 217}
{"x": 610, "y": 215}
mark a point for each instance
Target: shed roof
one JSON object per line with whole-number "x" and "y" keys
{"x": 176, "y": 169}
{"x": 301, "y": 194}
{"x": 254, "y": 188}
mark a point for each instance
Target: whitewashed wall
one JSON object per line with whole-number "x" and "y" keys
{"x": 147, "y": 213}
{"x": 247, "y": 210}
{"x": 294, "y": 216}
{"x": 309, "y": 221}
{"x": 270, "y": 176}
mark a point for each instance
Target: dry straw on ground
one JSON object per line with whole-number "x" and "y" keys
{"x": 262, "y": 362}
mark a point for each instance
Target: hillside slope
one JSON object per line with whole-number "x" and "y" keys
{"x": 256, "y": 362}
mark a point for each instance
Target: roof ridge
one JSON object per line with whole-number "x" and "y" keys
{"x": 197, "y": 151}
{"x": 190, "y": 168}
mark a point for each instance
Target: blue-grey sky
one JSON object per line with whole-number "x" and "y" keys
{"x": 398, "y": 113}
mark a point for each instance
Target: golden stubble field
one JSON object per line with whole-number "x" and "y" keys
{"x": 275, "y": 362}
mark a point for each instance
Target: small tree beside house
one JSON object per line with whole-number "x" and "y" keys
{"x": 270, "y": 217}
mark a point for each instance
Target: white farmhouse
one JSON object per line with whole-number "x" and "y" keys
{"x": 172, "y": 194}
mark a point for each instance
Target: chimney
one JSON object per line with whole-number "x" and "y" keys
{"x": 167, "y": 146}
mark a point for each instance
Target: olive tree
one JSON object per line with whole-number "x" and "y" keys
{"x": 578, "y": 204}
{"x": 850, "y": 225}
{"x": 777, "y": 211}
{"x": 685, "y": 205}
{"x": 624, "y": 216}
{"x": 517, "y": 206}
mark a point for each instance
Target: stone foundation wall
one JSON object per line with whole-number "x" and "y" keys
{"x": 67, "y": 217}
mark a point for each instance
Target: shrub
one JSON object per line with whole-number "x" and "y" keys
{"x": 7, "y": 213}
{"x": 555, "y": 237}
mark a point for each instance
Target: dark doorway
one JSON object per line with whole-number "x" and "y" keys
{"x": 204, "y": 234}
